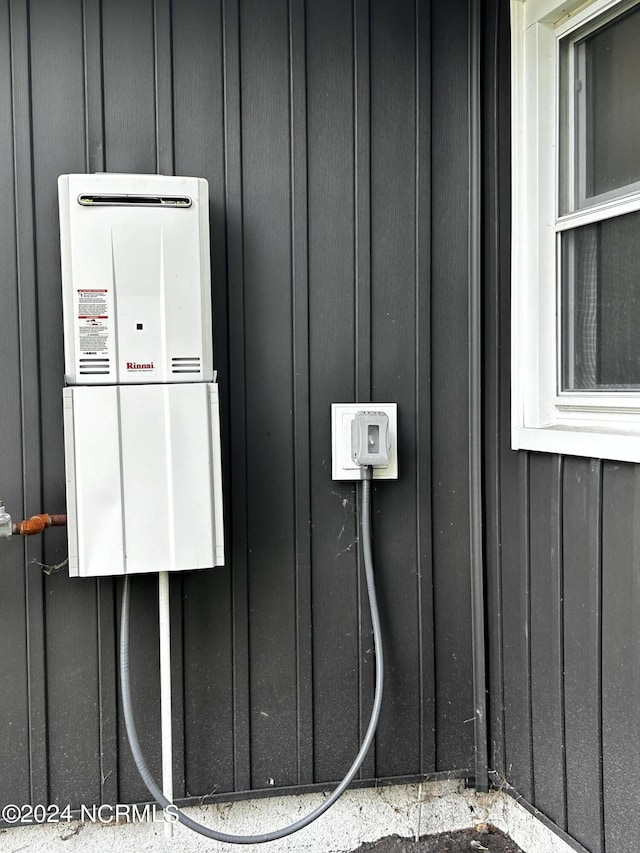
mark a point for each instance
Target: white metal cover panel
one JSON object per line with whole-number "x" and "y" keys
{"x": 136, "y": 278}
{"x": 144, "y": 481}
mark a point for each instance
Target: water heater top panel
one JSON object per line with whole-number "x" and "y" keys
{"x": 136, "y": 279}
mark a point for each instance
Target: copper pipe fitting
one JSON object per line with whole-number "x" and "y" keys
{"x": 37, "y": 523}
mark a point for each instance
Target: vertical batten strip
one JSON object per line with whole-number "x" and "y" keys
{"x": 476, "y": 544}
{"x": 424, "y": 544}
{"x": 29, "y": 394}
{"x": 300, "y": 355}
{"x": 14, "y": 711}
{"x": 362, "y": 190}
{"x": 165, "y": 165}
{"x": 163, "y": 67}
{"x": 93, "y": 85}
{"x": 526, "y": 512}
{"x": 599, "y": 643}
{"x": 237, "y": 548}
{"x": 620, "y": 667}
{"x": 105, "y": 587}
{"x": 492, "y": 93}
{"x": 557, "y": 519}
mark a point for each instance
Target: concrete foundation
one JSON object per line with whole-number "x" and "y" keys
{"x": 363, "y": 815}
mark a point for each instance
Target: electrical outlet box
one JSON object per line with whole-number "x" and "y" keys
{"x": 370, "y": 439}
{"x": 343, "y": 465}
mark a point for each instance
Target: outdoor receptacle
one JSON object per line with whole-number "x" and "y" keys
{"x": 343, "y": 465}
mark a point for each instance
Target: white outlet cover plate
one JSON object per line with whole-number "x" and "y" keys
{"x": 342, "y": 465}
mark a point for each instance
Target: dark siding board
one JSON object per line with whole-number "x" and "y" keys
{"x": 163, "y": 67}
{"x": 179, "y": 658}
{"x": 108, "y": 689}
{"x": 362, "y": 60}
{"x": 93, "y": 85}
{"x": 198, "y": 97}
{"x": 199, "y": 149}
{"x": 362, "y": 199}
{"x": 450, "y": 457}
{"x": 513, "y": 492}
{"x": 129, "y": 86}
{"x": 14, "y": 717}
{"x": 58, "y": 148}
{"x": 58, "y": 134}
{"x": 300, "y": 366}
{"x": 208, "y": 683}
{"x": 199, "y": 133}
{"x": 516, "y": 623}
{"x": 165, "y": 165}
{"x": 582, "y": 526}
{"x": 236, "y": 480}
{"x": 620, "y": 660}
{"x": 423, "y": 414}
{"x": 546, "y": 636}
{"x": 105, "y": 587}
{"x": 330, "y": 158}
{"x": 72, "y": 665}
{"x": 267, "y": 317}
{"x": 503, "y": 198}
{"x": 29, "y": 399}
{"x": 508, "y": 473}
{"x": 393, "y": 323}
{"x": 494, "y": 252}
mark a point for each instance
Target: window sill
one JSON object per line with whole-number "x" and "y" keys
{"x": 597, "y": 442}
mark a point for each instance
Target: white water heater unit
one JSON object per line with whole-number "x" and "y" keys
{"x": 141, "y": 416}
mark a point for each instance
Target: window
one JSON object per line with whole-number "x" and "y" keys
{"x": 576, "y": 234}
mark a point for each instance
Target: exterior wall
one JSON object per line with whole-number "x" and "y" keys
{"x": 562, "y": 564}
{"x": 334, "y": 138}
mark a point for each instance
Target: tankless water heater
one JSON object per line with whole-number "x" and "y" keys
{"x": 142, "y": 436}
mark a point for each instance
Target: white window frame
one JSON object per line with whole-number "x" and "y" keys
{"x": 594, "y": 424}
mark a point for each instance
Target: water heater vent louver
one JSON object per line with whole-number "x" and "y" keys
{"x": 185, "y": 364}
{"x": 94, "y": 366}
{"x": 131, "y": 200}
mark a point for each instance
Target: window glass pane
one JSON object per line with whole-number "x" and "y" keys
{"x": 600, "y": 80}
{"x": 601, "y": 305}
{"x": 612, "y": 60}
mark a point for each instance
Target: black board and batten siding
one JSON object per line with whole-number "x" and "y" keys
{"x": 563, "y": 572}
{"x": 334, "y": 139}
{"x": 334, "y": 136}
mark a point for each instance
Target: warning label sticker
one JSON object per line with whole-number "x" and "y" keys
{"x": 93, "y": 328}
{"x": 94, "y": 340}
{"x": 92, "y": 303}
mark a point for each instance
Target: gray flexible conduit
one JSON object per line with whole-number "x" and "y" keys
{"x": 132, "y": 734}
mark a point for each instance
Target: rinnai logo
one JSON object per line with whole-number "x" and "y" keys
{"x": 133, "y": 365}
